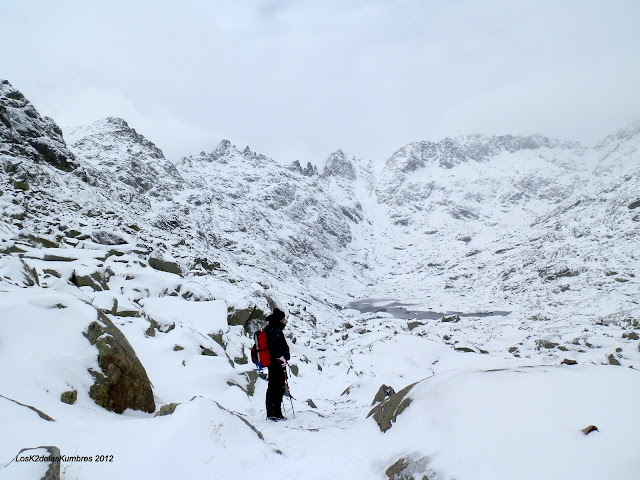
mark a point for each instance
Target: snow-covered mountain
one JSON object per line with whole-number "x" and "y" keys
{"x": 125, "y": 160}
{"x": 472, "y": 204}
{"x": 504, "y": 268}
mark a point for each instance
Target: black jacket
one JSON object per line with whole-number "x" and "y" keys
{"x": 276, "y": 342}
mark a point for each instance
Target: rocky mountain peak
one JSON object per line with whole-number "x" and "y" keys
{"x": 111, "y": 131}
{"x": 25, "y": 133}
{"x": 340, "y": 165}
{"x": 112, "y": 148}
{"x": 224, "y": 148}
{"x": 116, "y": 121}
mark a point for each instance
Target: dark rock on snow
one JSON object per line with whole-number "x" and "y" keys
{"x": 123, "y": 382}
{"x": 383, "y": 392}
{"x": 385, "y": 413}
{"x": 69, "y": 397}
{"x": 25, "y": 133}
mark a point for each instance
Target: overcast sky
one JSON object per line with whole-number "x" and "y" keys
{"x": 300, "y": 79}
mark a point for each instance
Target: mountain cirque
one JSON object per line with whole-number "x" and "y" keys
{"x": 516, "y": 256}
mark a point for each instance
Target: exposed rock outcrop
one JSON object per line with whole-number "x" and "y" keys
{"x": 338, "y": 164}
{"x": 384, "y": 391}
{"x": 385, "y": 413}
{"x": 25, "y": 133}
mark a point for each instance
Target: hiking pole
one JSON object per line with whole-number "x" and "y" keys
{"x": 291, "y": 400}
{"x": 286, "y": 382}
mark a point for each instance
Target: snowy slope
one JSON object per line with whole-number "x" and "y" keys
{"x": 265, "y": 210}
{"x": 450, "y": 201}
{"x": 497, "y": 274}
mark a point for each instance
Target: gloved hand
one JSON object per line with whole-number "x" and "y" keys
{"x": 282, "y": 360}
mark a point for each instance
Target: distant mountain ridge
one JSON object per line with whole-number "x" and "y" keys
{"x": 435, "y": 208}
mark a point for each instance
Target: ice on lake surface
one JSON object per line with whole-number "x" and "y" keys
{"x": 400, "y": 309}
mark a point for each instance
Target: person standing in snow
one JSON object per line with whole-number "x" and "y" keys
{"x": 279, "y": 353}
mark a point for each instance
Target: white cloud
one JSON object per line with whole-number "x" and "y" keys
{"x": 301, "y": 79}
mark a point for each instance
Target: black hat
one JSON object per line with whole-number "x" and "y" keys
{"x": 276, "y": 316}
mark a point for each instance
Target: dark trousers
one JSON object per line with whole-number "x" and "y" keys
{"x": 275, "y": 390}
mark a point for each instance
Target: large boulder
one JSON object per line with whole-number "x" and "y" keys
{"x": 105, "y": 237}
{"x": 123, "y": 382}
{"x": 95, "y": 278}
{"x": 244, "y": 316}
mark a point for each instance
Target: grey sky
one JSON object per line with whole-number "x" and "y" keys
{"x": 300, "y": 79}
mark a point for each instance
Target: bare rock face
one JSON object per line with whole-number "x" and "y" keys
{"x": 339, "y": 165}
{"x": 24, "y": 133}
{"x": 384, "y": 391}
{"x": 123, "y": 382}
{"x": 385, "y": 413}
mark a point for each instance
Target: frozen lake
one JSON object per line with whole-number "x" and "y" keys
{"x": 405, "y": 310}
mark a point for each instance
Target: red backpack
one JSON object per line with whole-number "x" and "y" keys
{"x": 260, "y": 350}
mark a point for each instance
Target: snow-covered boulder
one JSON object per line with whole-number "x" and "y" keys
{"x": 164, "y": 262}
{"x": 41, "y": 331}
{"x": 123, "y": 382}
{"x": 242, "y": 316}
{"x": 92, "y": 275}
